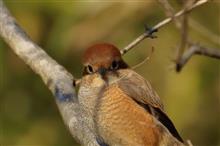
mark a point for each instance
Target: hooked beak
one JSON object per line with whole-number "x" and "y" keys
{"x": 102, "y": 71}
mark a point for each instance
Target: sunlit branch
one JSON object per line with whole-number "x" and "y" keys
{"x": 148, "y": 34}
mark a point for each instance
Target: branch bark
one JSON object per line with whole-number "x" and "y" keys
{"x": 56, "y": 77}
{"x": 148, "y": 33}
{"x": 169, "y": 11}
{"x": 184, "y": 54}
{"x": 197, "y": 50}
{"x": 184, "y": 31}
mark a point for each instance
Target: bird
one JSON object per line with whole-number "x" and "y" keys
{"x": 122, "y": 107}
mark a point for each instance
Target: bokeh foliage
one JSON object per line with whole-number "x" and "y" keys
{"x": 28, "y": 113}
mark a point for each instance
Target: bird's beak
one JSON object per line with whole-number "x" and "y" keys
{"x": 102, "y": 71}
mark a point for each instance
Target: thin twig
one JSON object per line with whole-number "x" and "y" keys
{"x": 181, "y": 59}
{"x": 197, "y": 49}
{"x": 184, "y": 31}
{"x": 181, "y": 24}
{"x": 159, "y": 25}
{"x": 169, "y": 10}
{"x": 145, "y": 60}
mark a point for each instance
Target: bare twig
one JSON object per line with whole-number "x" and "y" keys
{"x": 182, "y": 57}
{"x": 145, "y": 60}
{"x": 169, "y": 10}
{"x": 159, "y": 25}
{"x": 184, "y": 31}
{"x": 197, "y": 49}
{"x": 181, "y": 24}
{"x": 57, "y": 79}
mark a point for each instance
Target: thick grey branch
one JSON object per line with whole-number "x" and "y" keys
{"x": 196, "y": 49}
{"x": 57, "y": 79}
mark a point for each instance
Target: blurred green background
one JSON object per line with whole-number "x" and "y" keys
{"x": 28, "y": 113}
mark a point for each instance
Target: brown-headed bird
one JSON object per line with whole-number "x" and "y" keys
{"x": 123, "y": 108}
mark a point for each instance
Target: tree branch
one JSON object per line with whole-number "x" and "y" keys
{"x": 169, "y": 11}
{"x": 159, "y": 25}
{"x": 184, "y": 31}
{"x": 56, "y": 78}
{"x": 199, "y": 50}
{"x": 183, "y": 57}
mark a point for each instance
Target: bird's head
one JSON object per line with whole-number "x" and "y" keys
{"x": 102, "y": 58}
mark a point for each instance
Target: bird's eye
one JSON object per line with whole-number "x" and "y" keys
{"x": 89, "y": 69}
{"x": 114, "y": 65}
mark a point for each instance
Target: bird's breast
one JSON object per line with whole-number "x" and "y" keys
{"x": 120, "y": 121}
{"x": 91, "y": 88}
{"x": 114, "y": 115}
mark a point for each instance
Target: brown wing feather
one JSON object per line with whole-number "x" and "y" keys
{"x": 138, "y": 88}
{"x": 141, "y": 91}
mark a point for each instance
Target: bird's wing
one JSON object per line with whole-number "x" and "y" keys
{"x": 140, "y": 90}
